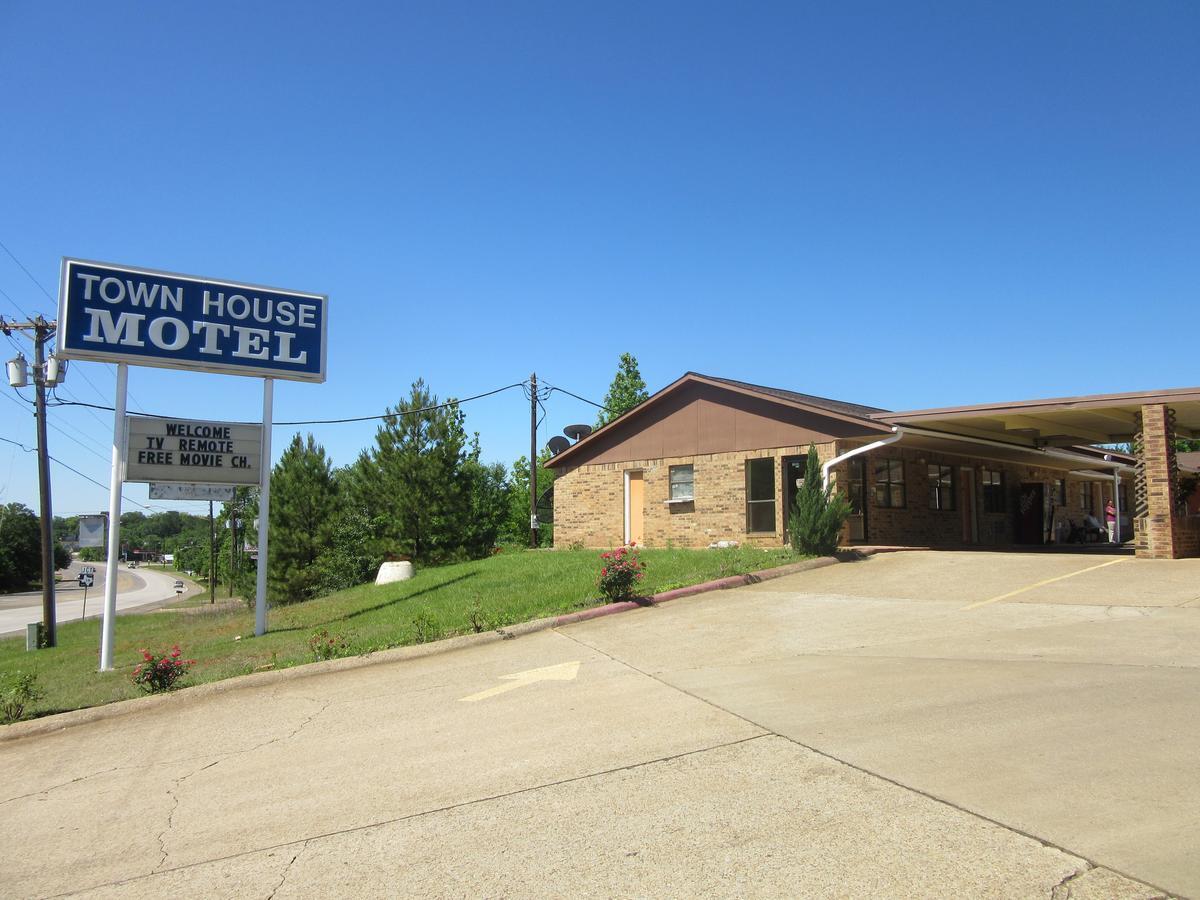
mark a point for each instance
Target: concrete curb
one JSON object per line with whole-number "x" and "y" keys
{"x": 51, "y": 724}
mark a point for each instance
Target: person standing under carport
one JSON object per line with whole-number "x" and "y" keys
{"x": 1110, "y": 519}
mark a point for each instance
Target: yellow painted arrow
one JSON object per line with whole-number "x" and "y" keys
{"x": 560, "y": 672}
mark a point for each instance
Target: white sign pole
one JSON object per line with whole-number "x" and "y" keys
{"x": 114, "y": 521}
{"x": 264, "y": 509}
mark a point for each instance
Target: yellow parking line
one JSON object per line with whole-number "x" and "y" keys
{"x": 1030, "y": 587}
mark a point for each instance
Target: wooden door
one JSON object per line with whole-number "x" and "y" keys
{"x": 635, "y": 502}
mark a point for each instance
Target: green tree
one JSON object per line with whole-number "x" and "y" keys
{"x": 626, "y": 391}
{"x": 20, "y": 547}
{"x": 412, "y": 482}
{"x": 487, "y": 492}
{"x": 304, "y": 508}
{"x": 350, "y": 559}
{"x": 818, "y": 514}
{"x": 516, "y": 523}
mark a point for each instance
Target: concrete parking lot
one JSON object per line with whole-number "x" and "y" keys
{"x": 914, "y": 724}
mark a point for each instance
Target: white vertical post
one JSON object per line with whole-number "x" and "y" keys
{"x": 115, "y": 483}
{"x": 264, "y": 509}
{"x": 1116, "y": 535}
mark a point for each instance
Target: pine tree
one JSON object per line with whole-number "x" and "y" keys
{"x": 626, "y": 391}
{"x": 304, "y": 507}
{"x": 413, "y": 483}
{"x": 819, "y": 513}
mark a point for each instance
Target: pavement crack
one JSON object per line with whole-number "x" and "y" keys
{"x": 1062, "y": 890}
{"x": 661, "y": 679}
{"x": 55, "y": 787}
{"x": 172, "y": 793}
{"x": 431, "y": 812}
{"x": 283, "y": 876}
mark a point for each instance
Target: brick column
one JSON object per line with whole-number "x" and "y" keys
{"x": 1159, "y": 540}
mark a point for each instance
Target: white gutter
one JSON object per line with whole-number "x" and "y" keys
{"x": 899, "y": 432}
{"x": 1058, "y": 454}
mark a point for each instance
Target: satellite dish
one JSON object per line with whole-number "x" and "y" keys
{"x": 558, "y": 444}
{"x": 577, "y": 432}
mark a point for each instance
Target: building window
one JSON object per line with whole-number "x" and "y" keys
{"x": 941, "y": 487}
{"x": 889, "y": 483}
{"x": 681, "y": 483}
{"x": 1085, "y": 497}
{"x": 1060, "y": 491}
{"x": 993, "y": 491}
{"x": 760, "y": 494}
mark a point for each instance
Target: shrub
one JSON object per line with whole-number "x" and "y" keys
{"x": 425, "y": 627}
{"x": 160, "y": 672}
{"x": 327, "y": 646}
{"x": 818, "y": 514}
{"x": 480, "y": 619}
{"x": 19, "y": 691}
{"x": 620, "y": 572}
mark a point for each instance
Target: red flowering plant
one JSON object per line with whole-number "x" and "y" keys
{"x": 159, "y": 672}
{"x": 620, "y": 572}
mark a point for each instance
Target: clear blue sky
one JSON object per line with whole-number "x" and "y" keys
{"x": 900, "y": 204}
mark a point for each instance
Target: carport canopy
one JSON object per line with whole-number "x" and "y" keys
{"x": 1056, "y": 422}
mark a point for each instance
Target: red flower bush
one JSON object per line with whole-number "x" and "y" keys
{"x": 157, "y": 673}
{"x": 620, "y": 572}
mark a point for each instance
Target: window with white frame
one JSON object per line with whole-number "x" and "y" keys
{"x": 682, "y": 480}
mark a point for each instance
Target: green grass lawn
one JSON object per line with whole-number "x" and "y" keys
{"x": 514, "y": 586}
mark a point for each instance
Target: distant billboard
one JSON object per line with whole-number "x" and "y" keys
{"x": 192, "y": 451}
{"x": 91, "y": 531}
{"x": 112, "y": 313}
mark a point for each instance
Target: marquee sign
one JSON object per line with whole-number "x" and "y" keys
{"x": 193, "y": 451}
{"x": 114, "y": 314}
{"x": 166, "y": 490}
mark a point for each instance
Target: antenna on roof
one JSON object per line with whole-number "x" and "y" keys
{"x": 577, "y": 432}
{"x": 557, "y": 444}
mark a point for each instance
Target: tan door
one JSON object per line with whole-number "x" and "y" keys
{"x": 635, "y": 497}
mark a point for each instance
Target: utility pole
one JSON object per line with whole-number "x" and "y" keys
{"x": 533, "y": 522}
{"x": 42, "y": 331}
{"x": 44, "y": 374}
{"x": 212, "y": 556}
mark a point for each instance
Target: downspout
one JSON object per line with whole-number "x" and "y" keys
{"x": 866, "y": 448}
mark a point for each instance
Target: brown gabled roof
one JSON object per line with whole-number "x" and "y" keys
{"x": 837, "y": 409}
{"x": 838, "y": 406}
{"x": 1058, "y": 421}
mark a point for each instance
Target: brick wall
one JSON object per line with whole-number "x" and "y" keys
{"x": 918, "y": 524}
{"x": 589, "y": 501}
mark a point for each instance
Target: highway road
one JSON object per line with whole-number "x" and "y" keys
{"x": 135, "y": 588}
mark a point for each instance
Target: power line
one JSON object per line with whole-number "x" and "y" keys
{"x": 577, "y": 397}
{"x": 53, "y": 305}
{"x": 395, "y": 415}
{"x": 49, "y": 297}
{"x": 73, "y": 469}
{"x": 15, "y": 305}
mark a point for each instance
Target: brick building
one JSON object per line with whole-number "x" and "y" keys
{"x": 709, "y": 459}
